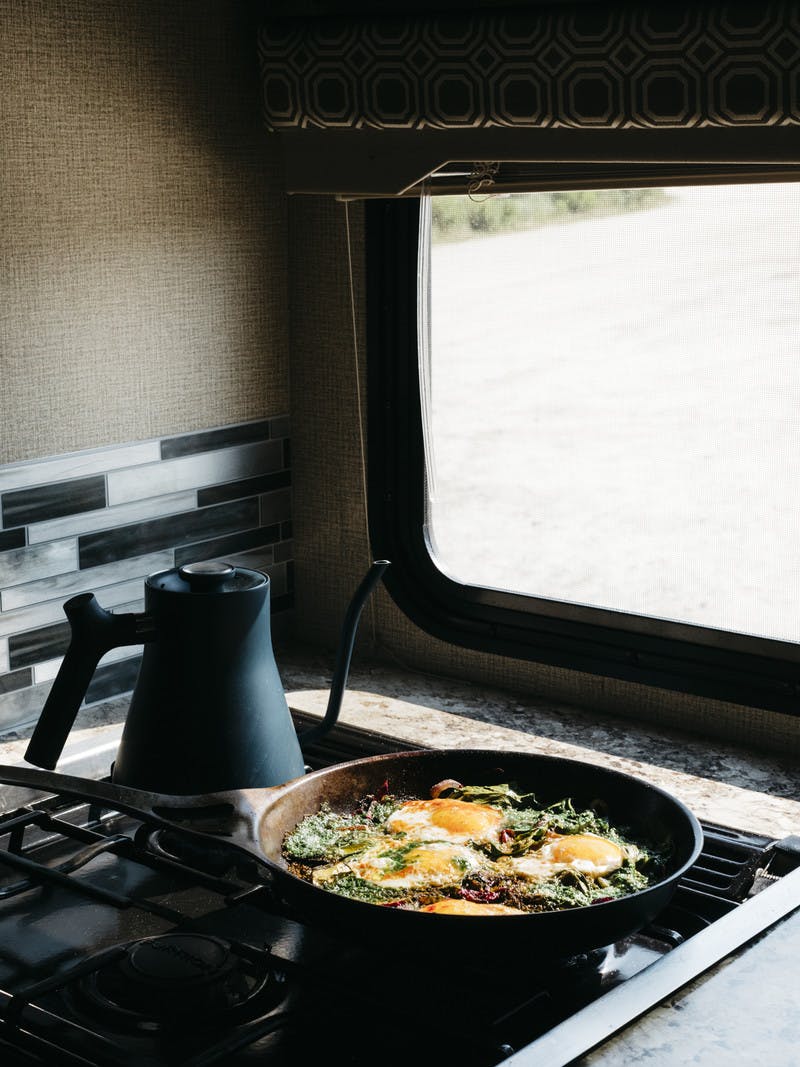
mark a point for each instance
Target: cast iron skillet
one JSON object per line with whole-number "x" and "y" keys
{"x": 256, "y": 820}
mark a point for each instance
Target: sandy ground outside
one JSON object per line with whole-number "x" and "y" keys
{"x": 616, "y": 410}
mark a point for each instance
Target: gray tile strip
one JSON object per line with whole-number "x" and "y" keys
{"x": 278, "y": 581}
{"x": 14, "y": 622}
{"x": 12, "y": 539}
{"x": 94, "y": 461}
{"x": 133, "y": 605}
{"x": 38, "y": 561}
{"x": 15, "y": 680}
{"x": 37, "y": 646}
{"x": 63, "y": 586}
{"x": 276, "y": 507}
{"x": 257, "y": 559}
{"x": 110, "y": 518}
{"x": 194, "y": 472}
{"x": 222, "y": 547}
{"x": 112, "y": 680}
{"x": 263, "y": 483}
{"x": 209, "y": 440}
{"x": 157, "y": 534}
{"x": 284, "y": 550}
{"x": 46, "y": 672}
{"x": 40, "y": 502}
{"x": 22, "y": 705}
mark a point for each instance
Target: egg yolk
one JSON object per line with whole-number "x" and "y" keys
{"x": 426, "y": 864}
{"x": 469, "y": 907}
{"x": 584, "y": 853}
{"x": 407, "y": 866}
{"x": 455, "y": 820}
{"x": 587, "y": 853}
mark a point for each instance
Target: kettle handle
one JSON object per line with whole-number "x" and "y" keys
{"x": 95, "y": 631}
{"x": 345, "y": 653}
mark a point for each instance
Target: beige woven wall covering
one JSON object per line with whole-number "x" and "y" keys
{"x": 142, "y": 225}
{"x": 329, "y": 527}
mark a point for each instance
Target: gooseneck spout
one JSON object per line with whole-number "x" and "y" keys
{"x": 95, "y": 631}
{"x": 345, "y": 653}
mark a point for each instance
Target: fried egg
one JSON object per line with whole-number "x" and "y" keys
{"x": 469, "y": 907}
{"x": 586, "y": 854}
{"x": 447, "y": 820}
{"x": 407, "y": 866}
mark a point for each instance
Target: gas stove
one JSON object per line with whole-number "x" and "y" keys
{"x": 121, "y": 943}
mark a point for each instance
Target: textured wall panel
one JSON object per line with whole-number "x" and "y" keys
{"x": 142, "y": 225}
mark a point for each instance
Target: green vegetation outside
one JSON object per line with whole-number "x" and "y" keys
{"x": 455, "y": 218}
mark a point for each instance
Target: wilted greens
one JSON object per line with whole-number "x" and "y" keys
{"x": 486, "y": 845}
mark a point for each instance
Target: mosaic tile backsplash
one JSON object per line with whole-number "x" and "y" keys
{"x": 100, "y": 521}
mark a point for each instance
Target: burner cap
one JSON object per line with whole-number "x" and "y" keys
{"x": 178, "y": 982}
{"x": 180, "y": 973}
{"x": 171, "y": 958}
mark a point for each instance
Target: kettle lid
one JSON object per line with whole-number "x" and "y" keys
{"x": 208, "y": 576}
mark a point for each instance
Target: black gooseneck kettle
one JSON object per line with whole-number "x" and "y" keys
{"x": 208, "y": 711}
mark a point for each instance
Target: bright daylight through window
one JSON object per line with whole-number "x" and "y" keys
{"x": 611, "y": 388}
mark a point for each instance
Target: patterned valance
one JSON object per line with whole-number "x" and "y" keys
{"x": 589, "y": 67}
{"x": 375, "y": 104}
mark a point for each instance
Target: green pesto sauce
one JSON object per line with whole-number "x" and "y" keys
{"x": 398, "y": 857}
{"x": 569, "y": 889}
{"x": 327, "y": 836}
{"x": 349, "y": 885}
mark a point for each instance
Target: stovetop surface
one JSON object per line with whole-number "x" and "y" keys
{"x": 231, "y": 977}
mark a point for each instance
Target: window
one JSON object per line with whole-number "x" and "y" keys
{"x": 587, "y": 452}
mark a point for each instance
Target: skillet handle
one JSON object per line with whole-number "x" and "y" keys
{"x": 234, "y": 815}
{"x": 131, "y": 801}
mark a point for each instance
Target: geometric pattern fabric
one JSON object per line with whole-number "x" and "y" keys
{"x": 674, "y": 66}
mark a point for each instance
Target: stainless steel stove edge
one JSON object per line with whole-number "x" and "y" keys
{"x": 589, "y": 1028}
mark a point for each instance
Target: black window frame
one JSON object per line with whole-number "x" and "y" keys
{"x": 739, "y": 668}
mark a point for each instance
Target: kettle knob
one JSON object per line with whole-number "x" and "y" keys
{"x": 206, "y": 577}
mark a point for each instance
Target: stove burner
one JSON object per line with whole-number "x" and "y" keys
{"x": 180, "y": 979}
{"x": 178, "y": 973}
